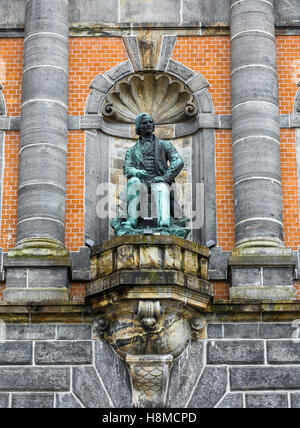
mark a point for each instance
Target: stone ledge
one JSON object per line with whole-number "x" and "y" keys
{"x": 116, "y": 296}
{"x": 35, "y": 295}
{"x": 150, "y": 240}
{"x": 266, "y": 293}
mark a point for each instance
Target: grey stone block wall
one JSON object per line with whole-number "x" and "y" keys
{"x": 238, "y": 365}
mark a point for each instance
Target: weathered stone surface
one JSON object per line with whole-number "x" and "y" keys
{"x": 94, "y": 10}
{"x": 295, "y": 401}
{"x": 168, "y": 43}
{"x": 67, "y": 401}
{"x": 275, "y": 331}
{"x": 179, "y": 70}
{"x": 173, "y": 257}
{"x": 64, "y": 352}
{"x": 277, "y": 276}
{"x": 93, "y": 268}
{"x": 34, "y": 379}
{"x": 214, "y": 331}
{"x": 264, "y": 378}
{"x": 119, "y": 71}
{"x": 258, "y": 330}
{"x": 240, "y": 331}
{"x": 185, "y": 374}
{"x": 270, "y": 293}
{"x": 197, "y": 83}
{"x": 110, "y": 366}
{"x": 210, "y": 389}
{"x": 150, "y": 258}
{"x": 74, "y": 332}
{"x": 206, "y": 11}
{"x": 4, "y": 401}
{"x": 30, "y": 332}
{"x": 190, "y": 263}
{"x": 16, "y": 277}
{"x": 15, "y": 353}
{"x": 151, "y": 11}
{"x": 127, "y": 257}
{"x": 283, "y": 351}
{"x": 232, "y": 401}
{"x": 47, "y": 277}
{"x": 101, "y": 84}
{"x": 32, "y": 401}
{"x": 106, "y": 263}
{"x": 266, "y": 401}
{"x": 80, "y": 263}
{"x": 88, "y": 388}
{"x": 235, "y": 352}
{"x": 242, "y": 276}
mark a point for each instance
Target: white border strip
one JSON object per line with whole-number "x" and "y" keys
{"x": 242, "y": 1}
{"x": 256, "y": 101}
{"x": 258, "y": 178}
{"x": 259, "y": 218}
{"x": 46, "y": 65}
{"x": 256, "y": 137}
{"x": 44, "y": 34}
{"x": 42, "y": 144}
{"x": 44, "y": 100}
{"x": 41, "y": 218}
{"x": 253, "y": 65}
{"x": 245, "y": 32}
{"x": 48, "y": 183}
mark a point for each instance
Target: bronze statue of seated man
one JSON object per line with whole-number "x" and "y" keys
{"x": 152, "y": 165}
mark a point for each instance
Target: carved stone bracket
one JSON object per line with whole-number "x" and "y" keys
{"x": 150, "y": 379}
{"x": 147, "y": 294}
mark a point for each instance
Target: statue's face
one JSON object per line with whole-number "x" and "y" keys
{"x": 146, "y": 126}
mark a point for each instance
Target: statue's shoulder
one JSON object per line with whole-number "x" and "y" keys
{"x": 163, "y": 142}
{"x": 132, "y": 149}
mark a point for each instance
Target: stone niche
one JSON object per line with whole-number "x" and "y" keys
{"x": 147, "y": 294}
{"x": 175, "y": 106}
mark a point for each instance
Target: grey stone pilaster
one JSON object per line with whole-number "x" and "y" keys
{"x": 43, "y": 147}
{"x": 255, "y": 123}
{"x": 256, "y": 266}
{"x": 44, "y": 121}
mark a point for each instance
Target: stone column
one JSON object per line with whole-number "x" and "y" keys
{"x": 42, "y": 170}
{"x": 256, "y": 156}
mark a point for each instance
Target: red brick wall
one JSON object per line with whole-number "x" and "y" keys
{"x": 209, "y": 56}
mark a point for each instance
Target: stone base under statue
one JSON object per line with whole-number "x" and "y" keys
{"x": 149, "y": 227}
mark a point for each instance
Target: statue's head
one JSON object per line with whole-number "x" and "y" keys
{"x": 144, "y": 124}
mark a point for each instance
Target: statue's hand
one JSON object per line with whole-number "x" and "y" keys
{"x": 142, "y": 174}
{"x": 158, "y": 180}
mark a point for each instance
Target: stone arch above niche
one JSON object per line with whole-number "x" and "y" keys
{"x": 140, "y": 62}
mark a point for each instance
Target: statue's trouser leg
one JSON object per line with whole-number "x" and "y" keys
{"x": 134, "y": 188}
{"x": 161, "y": 194}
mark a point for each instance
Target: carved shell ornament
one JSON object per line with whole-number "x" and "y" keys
{"x": 164, "y": 97}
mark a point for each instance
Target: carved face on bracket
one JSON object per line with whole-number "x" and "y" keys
{"x": 145, "y": 125}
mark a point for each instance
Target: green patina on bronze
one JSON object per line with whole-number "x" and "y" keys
{"x": 151, "y": 167}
